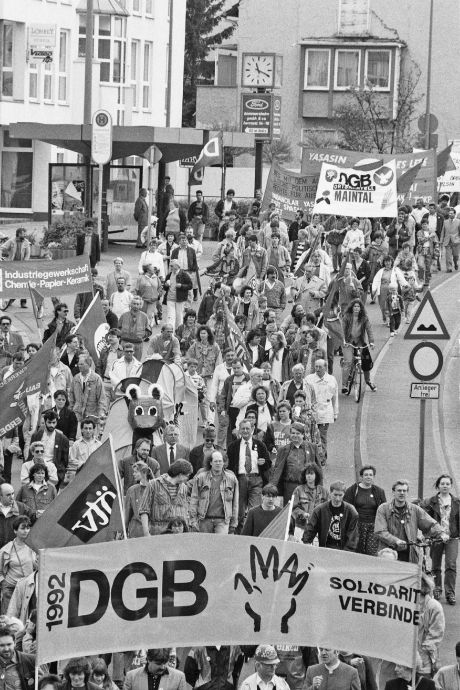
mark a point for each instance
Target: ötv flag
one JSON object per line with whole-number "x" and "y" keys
{"x": 93, "y": 328}
{"x": 89, "y": 510}
{"x": 32, "y": 378}
{"x": 357, "y": 192}
{"x": 212, "y": 153}
{"x": 150, "y": 591}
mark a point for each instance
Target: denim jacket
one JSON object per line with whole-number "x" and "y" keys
{"x": 201, "y": 489}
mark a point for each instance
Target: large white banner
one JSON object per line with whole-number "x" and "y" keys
{"x": 365, "y": 191}
{"x": 203, "y": 589}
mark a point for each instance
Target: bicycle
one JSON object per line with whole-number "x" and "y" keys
{"x": 355, "y": 378}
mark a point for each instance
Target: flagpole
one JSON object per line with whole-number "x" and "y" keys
{"x": 119, "y": 488}
{"x": 222, "y": 182}
{"x": 415, "y": 627}
{"x": 288, "y": 522}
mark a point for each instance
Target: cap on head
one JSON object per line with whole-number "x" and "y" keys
{"x": 266, "y": 654}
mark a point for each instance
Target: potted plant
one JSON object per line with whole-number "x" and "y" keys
{"x": 60, "y": 238}
{"x": 34, "y": 241}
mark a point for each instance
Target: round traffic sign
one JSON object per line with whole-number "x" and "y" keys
{"x": 425, "y": 361}
{"x": 432, "y": 123}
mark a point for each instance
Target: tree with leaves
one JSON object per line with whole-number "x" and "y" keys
{"x": 279, "y": 150}
{"x": 365, "y": 124}
{"x": 204, "y": 29}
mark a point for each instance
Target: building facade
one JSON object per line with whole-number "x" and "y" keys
{"x": 135, "y": 43}
{"x": 326, "y": 47}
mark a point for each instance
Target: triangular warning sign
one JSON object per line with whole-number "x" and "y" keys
{"x": 427, "y": 323}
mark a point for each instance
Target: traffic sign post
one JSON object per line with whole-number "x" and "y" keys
{"x": 101, "y": 153}
{"x": 425, "y": 363}
{"x": 424, "y": 391}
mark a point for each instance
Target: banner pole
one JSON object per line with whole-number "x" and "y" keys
{"x": 288, "y": 521}
{"x": 119, "y": 488}
{"x": 415, "y": 641}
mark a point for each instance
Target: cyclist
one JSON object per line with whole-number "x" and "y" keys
{"x": 398, "y": 521}
{"x": 357, "y": 332}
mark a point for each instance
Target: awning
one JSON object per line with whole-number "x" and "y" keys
{"x": 174, "y": 142}
{"x": 104, "y": 7}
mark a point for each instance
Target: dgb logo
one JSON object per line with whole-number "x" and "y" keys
{"x": 355, "y": 181}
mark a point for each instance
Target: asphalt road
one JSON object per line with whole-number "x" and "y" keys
{"x": 383, "y": 428}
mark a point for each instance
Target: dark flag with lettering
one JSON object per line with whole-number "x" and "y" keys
{"x": 88, "y": 510}
{"x": 29, "y": 379}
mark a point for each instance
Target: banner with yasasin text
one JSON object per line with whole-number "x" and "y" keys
{"x": 50, "y": 278}
{"x": 205, "y": 589}
{"x": 423, "y": 186}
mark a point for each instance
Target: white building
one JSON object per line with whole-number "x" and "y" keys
{"x": 130, "y": 80}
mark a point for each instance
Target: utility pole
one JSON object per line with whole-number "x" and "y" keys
{"x": 428, "y": 81}
{"x": 88, "y": 100}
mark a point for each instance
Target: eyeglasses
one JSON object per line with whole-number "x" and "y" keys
{"x": 64, "y": 311}
{"x": 38, "y": 450}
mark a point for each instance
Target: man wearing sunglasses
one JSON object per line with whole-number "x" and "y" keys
{"x": 37, "y": 452}
{"x": 60, "y": 324}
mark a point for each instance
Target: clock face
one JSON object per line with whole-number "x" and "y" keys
{"x": 258, "y": 70}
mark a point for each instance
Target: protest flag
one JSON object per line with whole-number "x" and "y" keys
{"x": 31, "y": 378}
{"x": 93, "y": 328}
{"x": 195, "y": 178}
{"x": 233, "y": 337}
{"x": 89, "y": 510}
{"x": 212, "y": 153}
{"x": 37, "y": 300}
{"x": 444, "y": 161}
{"x": 251, "y": 276}
{"x": 299, "y": 268}
{"x": 331, "y": 320}
{"x": 278, "y": 528}
{"x": 405, "y": 182}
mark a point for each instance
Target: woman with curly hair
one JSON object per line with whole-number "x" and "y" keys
{"x": 309, "y": 494}
{"x": 248, "y": 306}
{"x": 77, "y": 675}
{"x": 186, "y": 332}
{"x": 357, "y": 332}
{"x": 265, "y": 414}
{"x": 208, "y": 355}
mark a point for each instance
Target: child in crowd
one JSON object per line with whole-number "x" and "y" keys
{"x": 409, "y": 297}
{"x": 395, "y": 309}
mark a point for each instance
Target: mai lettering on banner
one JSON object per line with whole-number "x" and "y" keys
{"x": 121, "y": 595}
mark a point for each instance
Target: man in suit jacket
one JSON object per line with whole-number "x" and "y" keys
{"x": 225, "y": 397}
{"x": 450, "y": 240}
{"x": 338, "y": 674}
{"x": 9, "y": 342}
{"x": 141, "y": 214}
{"x": 249, "y": 459}
{"x": 156, "y": 667}
{"x": 198, "y": 454}
{"x": 170, "y": 451}
{"x": 55, "y": 443}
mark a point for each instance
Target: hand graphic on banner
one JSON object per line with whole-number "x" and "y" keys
{"x": 294, "y": 581}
